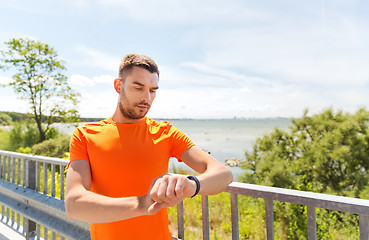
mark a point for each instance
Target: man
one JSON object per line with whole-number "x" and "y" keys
{"x": 117, "y": 177}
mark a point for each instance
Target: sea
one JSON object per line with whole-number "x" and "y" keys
{"x": 223, "y": 138}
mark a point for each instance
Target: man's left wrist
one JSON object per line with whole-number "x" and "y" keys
{"x": 197, "y": 184}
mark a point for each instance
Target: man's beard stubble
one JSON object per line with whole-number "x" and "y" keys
{"x": 131, "y": 113}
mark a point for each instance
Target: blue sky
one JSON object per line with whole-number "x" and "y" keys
{"x": 218, "y": 59}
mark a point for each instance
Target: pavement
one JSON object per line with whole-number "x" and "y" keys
{"x": 6, "y": 233}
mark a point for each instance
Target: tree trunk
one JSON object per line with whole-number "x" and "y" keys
{"x": 40, "y": 130}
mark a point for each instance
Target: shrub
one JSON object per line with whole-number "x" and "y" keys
{"x": 55, "y": 147}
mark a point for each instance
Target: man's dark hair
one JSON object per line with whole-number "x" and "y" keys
{"x": 138, "y": 60}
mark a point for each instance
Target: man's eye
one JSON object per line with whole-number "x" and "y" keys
{"x": 139, "y": 89}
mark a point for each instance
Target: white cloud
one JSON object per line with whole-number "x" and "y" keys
{"x": 226, "y": 75}
{"x": 103, "y": 79}
{"x": 296, "y": 51}
{"x": 100, "y": 103}
{"x": 80, "y": 80}
{"x": 11, "y": 102}
{"x": 95, "y": 58}
{"x": 266, "y": 100}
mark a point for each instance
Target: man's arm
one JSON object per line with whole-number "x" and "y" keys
{"x": 82, "y": 204}
{"x": 169, "y": 190}
{"x": 215, "y": 176}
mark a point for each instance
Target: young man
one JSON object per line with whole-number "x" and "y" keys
{"x": 117, "y": 178}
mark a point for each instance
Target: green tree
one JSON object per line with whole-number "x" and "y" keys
{"x": 326, "y": 153}
{"x": 39, "y": 79}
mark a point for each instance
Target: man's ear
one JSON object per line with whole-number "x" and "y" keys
{"x": 117, "y": 85}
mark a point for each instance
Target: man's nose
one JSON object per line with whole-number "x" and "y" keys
{"x": 146, "y": 96}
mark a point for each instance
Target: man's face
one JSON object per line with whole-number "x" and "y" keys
{"x": 137, "y": 92}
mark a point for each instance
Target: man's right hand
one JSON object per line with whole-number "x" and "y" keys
{"x": 167, "y": 191}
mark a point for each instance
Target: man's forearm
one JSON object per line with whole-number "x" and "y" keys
{"x": 215, "y": 180}
{"x": 214, "y": 177}
{"x": 94, "y": 208}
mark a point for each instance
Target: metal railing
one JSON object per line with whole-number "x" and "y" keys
{"x": 20, "y": 196}
{"x": 32, "y": 197}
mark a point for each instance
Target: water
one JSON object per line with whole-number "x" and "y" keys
{"x": 224, "y": 138}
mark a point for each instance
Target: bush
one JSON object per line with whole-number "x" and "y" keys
{"x": 55, "y": 147}
{"x": 23, "y": 135}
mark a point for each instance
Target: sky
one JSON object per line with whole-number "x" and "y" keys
{"x": 217, "y": 59}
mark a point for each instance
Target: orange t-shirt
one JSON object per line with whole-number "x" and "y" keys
{"x": 124, "y": 160}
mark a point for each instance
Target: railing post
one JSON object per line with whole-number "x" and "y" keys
{"x": 62, "y": 183}
{"x": 234, "y": 216}
{"x": 180, "y": 220}
{"x": 205, "y": 217}
{"x": 364, "y": 227}
{"x": 269, "y": 218}
{"x": 53, "y": 180}
{"x": 8, "y": 172}
{"x": 311, "y": 219}
{"x": 1, "y": 165}
{"x": 4, "y": 167}
{"x": 31, "y": 183}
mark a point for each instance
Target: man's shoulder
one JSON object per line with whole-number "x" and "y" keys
{"x": 158, "y": 123}
{"x": 160, "y": 126}
{"x": 92, "y": 127}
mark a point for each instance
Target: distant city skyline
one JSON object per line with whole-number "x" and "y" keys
{"x": 217, "y": 59}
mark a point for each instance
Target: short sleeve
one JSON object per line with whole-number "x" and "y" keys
{"x": 78, "y": 146}
{"x": 180, "y": 143}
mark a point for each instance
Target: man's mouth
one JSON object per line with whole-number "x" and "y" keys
{"x": 142, "y": 106}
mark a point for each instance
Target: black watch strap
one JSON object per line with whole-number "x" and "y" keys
{"x": 197, "y": 184}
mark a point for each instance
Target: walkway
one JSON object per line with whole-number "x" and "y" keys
{"x": 6, "y": 233}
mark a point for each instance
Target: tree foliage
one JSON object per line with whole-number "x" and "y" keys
{"x": 327, "y": 153}
{"x": 39, "y": 79}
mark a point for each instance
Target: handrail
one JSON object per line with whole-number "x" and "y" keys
{"x": 22, "y": 197}
{"x": 45, "y": 210}
{"x": 310, "y": 199}
{"x": 20, "y": 176}
{"x": 319, "y": 200}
